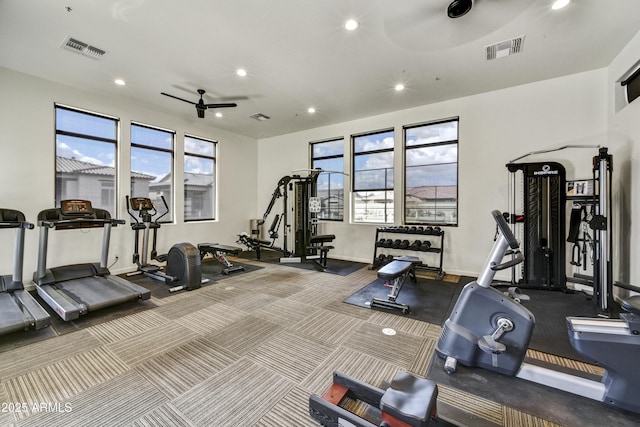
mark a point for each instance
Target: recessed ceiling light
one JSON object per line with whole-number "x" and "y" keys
{"x": 241, "y": 72}
{"x": 351, "y": 24}
{"x": 119, "y": 82}
{"x": 311, "y": 110}
{"x": 399, "y": 87}
{"x": 218, "y": 114}
{"x": 559, "y": 4}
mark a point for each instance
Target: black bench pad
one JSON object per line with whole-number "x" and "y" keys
{"x": 322, "y": 238}
{"x": 394, "y": 269}
{"x": 211, "y": 247}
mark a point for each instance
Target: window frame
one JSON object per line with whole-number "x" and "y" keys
{"x": 406, "y": 148}
{"x": 170, "y": 218}
{"x": 214, "y": 158}
{"x": 330, "y": 157}
{"x": 58, "y": 132}
{"x": 354, "y": 190}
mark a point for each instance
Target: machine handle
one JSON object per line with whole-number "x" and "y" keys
{"x": 115, "y": 221}
{"x": 18, "y": 224}
{"x": 79, "y": 221}
{"x": 515, "y": 261}
{"x": 505, "y": 230}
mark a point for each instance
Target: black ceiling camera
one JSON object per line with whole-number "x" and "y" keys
{"x": 459, "y": 8}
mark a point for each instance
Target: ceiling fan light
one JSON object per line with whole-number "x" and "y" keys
{"x": 459, "y": 8}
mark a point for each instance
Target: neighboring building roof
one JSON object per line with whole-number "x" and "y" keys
{"x": 190, "y": 179}
{"x": 434, "y": 192}
{"x": 73, "y": 165}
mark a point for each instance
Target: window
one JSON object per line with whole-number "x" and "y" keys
{"x": 85, "y": 157}
{"x": 329, "y": 156}
{"x": 199, "y": 179}
{"x": 632, "y": 84}
{"x": 373, "y": 177}
{"x": 152, "y": 165}
{"x": 431, "y": 173}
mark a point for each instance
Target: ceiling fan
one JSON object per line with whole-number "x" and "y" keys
{"x": 200, "y": 105}
{"x": 442, "y": 24}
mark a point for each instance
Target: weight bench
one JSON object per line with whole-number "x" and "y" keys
{"x": 220, "y": 253}
{"x": 397, "y": 271}
{"x": 317, "y": 243}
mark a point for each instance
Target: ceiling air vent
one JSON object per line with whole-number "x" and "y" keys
{"x": 260, "y": 117}
{"x": 82, "y": 48}
{"x": 505, "y": 48}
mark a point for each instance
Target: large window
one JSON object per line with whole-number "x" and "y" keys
{"x": 152, "y": 165}
{"x": 373, "y": 177}
{"x": 199, "y": 179}
{"x": 329, "y": 156}
{"x": 431, "y": 173}
{"x": 85, "y": 157}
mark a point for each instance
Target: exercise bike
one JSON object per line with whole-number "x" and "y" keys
{"x": 491, "y": 331}
{"x": 183, "y": 263}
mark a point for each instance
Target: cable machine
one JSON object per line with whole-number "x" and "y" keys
{"x": 307, "y": 244}
{"x": 543, "y": 225}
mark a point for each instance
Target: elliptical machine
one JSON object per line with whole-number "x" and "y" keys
{"x": 488, "y": 330}
{"x": 183, "y": 263}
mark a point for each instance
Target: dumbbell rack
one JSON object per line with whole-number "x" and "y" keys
{"x": 397, "y": 251}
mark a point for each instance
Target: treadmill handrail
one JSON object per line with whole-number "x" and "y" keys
{"x": 17, "y": 224}
{"x": 80, "y": 221}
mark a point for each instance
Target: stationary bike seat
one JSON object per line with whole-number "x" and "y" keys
{"x": 631, "y": 304}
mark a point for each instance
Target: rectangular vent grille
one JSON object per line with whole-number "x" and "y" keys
{"x": 82, "y": 48}
{"x": 504, "y": 48}
{"x": 260, "y": 117}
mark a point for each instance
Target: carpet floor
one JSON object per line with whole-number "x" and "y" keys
{"x": 248, "y": 350}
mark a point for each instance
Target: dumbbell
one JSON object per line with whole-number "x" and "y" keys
{"x": 388, "y": 259}
{"x": 428, "y": 230}
{"x": 396, "y": 244}
{"x": 425, "y": 246}
{"x": 380, "y": 243}
{"x": 415, "y": 246}
{"x": 387, "y": 243}
{"x": 437, "y": 230}
{"x": 380, "y": 260}
{"x": 404, "y": 244}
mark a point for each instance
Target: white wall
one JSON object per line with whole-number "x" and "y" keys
{"x": 624, "y": 126}
{"x": 27, "y": 173}
{"x": 495, "y": 127}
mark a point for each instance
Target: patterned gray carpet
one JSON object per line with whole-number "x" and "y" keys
{"x": 247, "y": 351}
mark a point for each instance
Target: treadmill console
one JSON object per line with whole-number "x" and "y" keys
{"x": 76, "y": 208}
{"x": 141, "y": 204}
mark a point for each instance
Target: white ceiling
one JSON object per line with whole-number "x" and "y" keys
{"x": 298, "y": 54}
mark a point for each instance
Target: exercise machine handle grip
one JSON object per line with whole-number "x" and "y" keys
{"x": 505, "y": 230}
{"x": 515, "y": 261}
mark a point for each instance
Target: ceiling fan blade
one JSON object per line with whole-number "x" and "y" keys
{"x": 230, "y": 104}
{"x": 175, "y": 97}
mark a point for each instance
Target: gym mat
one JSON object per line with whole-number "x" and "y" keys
{"x": 550, "y": 309}
{"x": 541, "y": 401}
{"x": 334, "y": 266}
{"x": 211, "y": 269}
{"x": 429, "y": 300}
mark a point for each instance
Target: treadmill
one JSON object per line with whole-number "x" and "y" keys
{"x": 75, "y": 290}
{"x": 19, "y": 311}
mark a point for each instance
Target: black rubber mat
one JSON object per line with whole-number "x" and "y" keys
{"x": 428, "y": 300}
{"x": 334, "y": 266}
{"x": 541, "y": 401}
{"x": 550, "y": 309}
{"x": 211, "y": 269}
